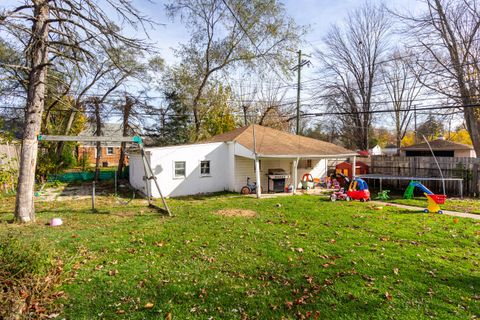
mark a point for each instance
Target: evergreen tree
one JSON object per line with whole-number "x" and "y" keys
{"x": 175, "y": 124}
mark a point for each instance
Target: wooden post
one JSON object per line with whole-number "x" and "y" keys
{"x": 354, "y": 167}
{"x": 475, "y": 177}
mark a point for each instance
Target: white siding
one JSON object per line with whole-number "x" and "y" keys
{"x": 318, "y": 170}
{"x": 245, "y": 168}
{"x": 136, "y": 172}
{"x": 162, "y": 162}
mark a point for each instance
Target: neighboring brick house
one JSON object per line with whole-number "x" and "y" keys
{"x": 110, "y": 152}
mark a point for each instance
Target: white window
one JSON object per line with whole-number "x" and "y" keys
{"x": 205, "y": 168}
{"x": 109, "y": 151}
{"x": 179, "y": 167}
{"x": 305, "y": 164}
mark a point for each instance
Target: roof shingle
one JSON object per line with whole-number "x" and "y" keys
{"x": 439, "y": 144}
{"x": 275, "y": 142}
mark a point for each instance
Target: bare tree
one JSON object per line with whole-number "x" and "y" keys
{"x": 57, "y": 31}
{"x": 225, "y": 34}
{"x": 244, "y": 93}
{"x": 271, "y": 108}
{"x": 126, "y": 110}
{"x": 351, "y": 68}
{"x": 403, "y": 86}
{"x": 447, "y": 33}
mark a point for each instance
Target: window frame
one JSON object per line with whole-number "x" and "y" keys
{"x": 209, "y": 174}
{"x": 175, "y": 176}
{"x": 113, "y": 151}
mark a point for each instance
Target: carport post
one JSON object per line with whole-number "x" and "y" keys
{"x": 257, "y": 174}
{"x": 354, "y": 167}
{"x": 295, "y": 178}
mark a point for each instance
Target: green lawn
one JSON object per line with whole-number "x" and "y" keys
{"x": 461, "y": 205}
{"x": 299, "y": 257}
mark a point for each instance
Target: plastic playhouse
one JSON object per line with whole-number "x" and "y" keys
{"x": 307, "y": 181}
{"x": 434, "y": 200}
{"x": 357, "y": 190}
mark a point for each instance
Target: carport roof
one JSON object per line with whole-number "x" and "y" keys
{"x": 271, "y": 142}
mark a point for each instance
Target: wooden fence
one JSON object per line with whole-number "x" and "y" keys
{"x": 466, "y": 168}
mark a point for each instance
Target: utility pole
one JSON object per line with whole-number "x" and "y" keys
{"x": 415, "y": 122}
{"x": 298, "y": 68}
{"x": 245, "y": 107}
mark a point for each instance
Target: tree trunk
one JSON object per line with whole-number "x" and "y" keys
{"x": 126, "y": 116}
{"x": 24, "y": 208}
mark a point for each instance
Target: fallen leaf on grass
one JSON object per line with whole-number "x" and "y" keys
{"x": 120, "y": 311}
{"x": 395, "y": 271}
{"x": 327, "y": 282}
{"x": 148, "y": 305}
{"x": 113, "y": 272}
{"x": 388, "y": 296}
{"x": 168, "y": 316}
{"x": 299, "y": 250}
{"x": 332, "y": 241}
{"x": 289, "y": 304}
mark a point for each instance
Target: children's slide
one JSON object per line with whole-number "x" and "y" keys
{"x": 433, "y": 199}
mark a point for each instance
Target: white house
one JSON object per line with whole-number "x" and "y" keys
{"x": 224, "y": 162}
{"x": 376, "y": 151}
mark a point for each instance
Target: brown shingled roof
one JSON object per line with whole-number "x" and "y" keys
{"x": 275, "y": 142}
{"x": 439, "y": 144}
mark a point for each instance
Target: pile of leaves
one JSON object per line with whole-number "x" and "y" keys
{"x": 29, "y": 276}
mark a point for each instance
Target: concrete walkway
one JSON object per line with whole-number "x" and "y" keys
{"x": 413, "y": 208}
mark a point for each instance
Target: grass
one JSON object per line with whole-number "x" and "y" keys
{"x": 461, "y": 205}
{"x": 299, "y": 257}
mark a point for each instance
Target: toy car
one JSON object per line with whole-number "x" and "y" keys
{"x": 357, "y": 190}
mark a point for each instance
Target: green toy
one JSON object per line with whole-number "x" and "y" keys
{"x": 383, "y": 195}
{"x": 409, "y": 191}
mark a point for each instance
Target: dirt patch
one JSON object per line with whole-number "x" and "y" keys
{"x": 236, "y": 213}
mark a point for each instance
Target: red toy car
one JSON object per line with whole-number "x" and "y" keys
{"x": 357, "y": 190}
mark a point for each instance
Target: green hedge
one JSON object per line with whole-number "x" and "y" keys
{"x": 85, "y": 176}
